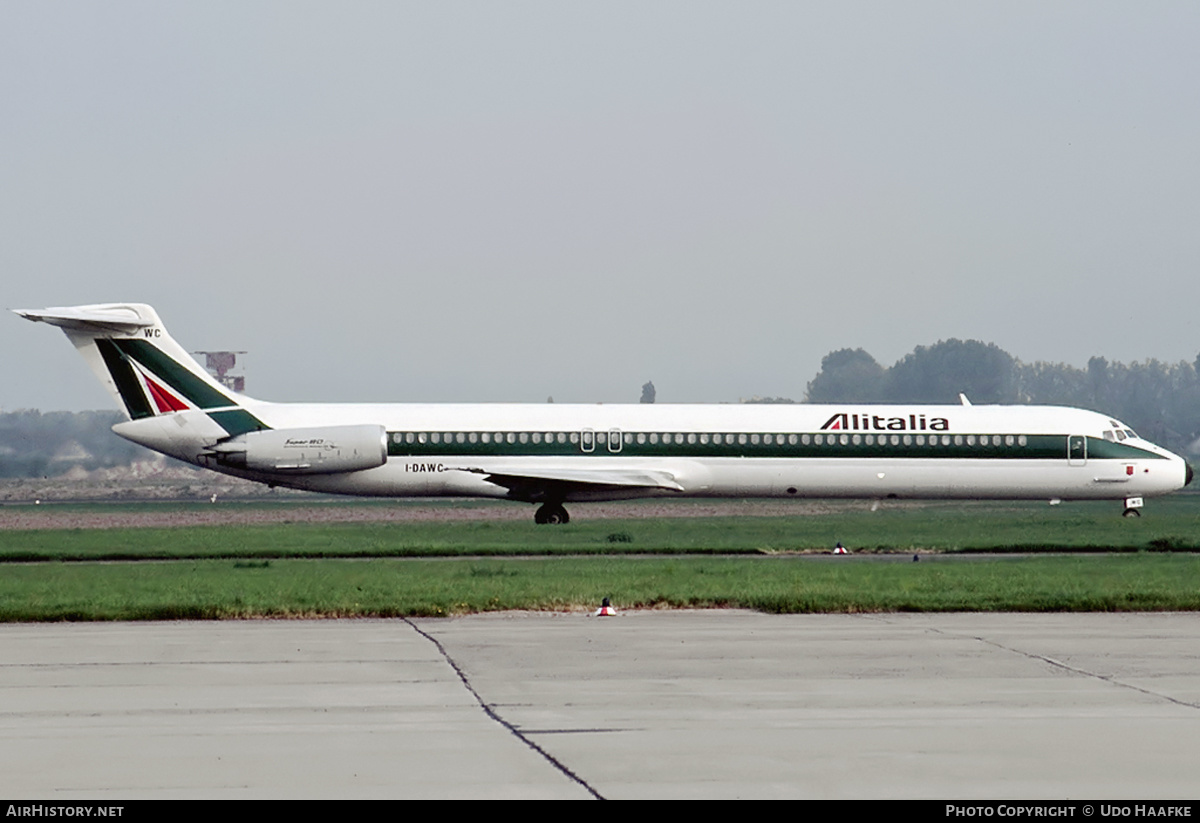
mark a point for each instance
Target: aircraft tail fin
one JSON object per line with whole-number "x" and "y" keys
{"x": 129, "y": 349}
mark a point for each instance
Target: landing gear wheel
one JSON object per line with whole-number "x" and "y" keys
{"x": 1131, "y": 513}
{"x": 551, "y": 513}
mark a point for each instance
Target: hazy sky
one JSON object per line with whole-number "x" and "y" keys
{"x": 509, "y": 200}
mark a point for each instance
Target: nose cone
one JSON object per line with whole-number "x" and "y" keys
{"x": 1187, "y": 473}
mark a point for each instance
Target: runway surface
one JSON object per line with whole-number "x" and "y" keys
{"x": 720, "y": 704}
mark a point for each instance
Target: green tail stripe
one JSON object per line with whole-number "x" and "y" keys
{"x": 197, "y": 391}
{"x": 237, "y": 421}
{"x": 128, "y": 385}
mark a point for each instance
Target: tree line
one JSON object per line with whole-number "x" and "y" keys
{"x": 37, "y": 444}
{"x": 1161, "y": 401}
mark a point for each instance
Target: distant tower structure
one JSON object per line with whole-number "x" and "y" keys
{"x": 219, "y": 364}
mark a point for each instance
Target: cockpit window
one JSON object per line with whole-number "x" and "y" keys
{"x": 1123, "y": 432}
{"x": 1108, "y": 435}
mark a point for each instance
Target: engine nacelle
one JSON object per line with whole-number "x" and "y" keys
{"x": 323, "y": 450}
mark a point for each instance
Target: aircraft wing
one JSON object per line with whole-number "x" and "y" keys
{"x": 533, "y": 484}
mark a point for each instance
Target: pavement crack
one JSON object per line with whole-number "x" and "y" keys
{"x": 1105, "y": 678}
{"x": 1102, "y": 677}
{"x": 491, "y": 713}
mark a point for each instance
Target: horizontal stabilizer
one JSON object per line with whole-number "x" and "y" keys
{"x": 94, "y": 319}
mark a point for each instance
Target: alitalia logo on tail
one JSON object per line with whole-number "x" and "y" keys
{"x": 844, "y": 421}
{"x": 151, "y": 382}
{"x": 164, "y": 399}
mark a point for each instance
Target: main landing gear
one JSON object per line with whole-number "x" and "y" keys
{"x": 552, "y": 513}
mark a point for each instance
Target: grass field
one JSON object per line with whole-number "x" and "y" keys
{"x": 447, "y": 567}
{"x": 1171, "y": 523}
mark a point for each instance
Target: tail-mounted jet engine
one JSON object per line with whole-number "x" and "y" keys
{"x": 324, "y": 450}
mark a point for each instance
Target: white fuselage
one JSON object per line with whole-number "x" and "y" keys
{"x": 553, "y": 453}
{"x": 855, "y": 451}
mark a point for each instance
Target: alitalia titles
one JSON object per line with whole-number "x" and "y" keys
{"x": 844, "y": 421}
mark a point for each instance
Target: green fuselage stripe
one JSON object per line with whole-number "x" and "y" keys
{"x": 1036, "y": 447}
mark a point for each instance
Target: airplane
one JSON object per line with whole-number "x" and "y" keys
{"x": 552, "y": 454}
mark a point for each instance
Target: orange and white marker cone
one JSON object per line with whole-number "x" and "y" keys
{"x": 840, "y": 549}
{"x": 606, "y": 609}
